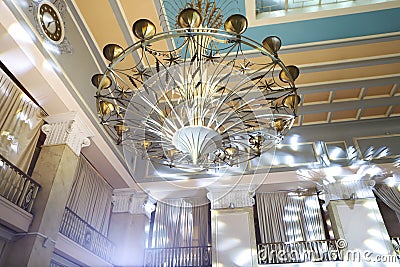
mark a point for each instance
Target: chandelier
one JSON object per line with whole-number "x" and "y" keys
{"x": 192, "y": 97}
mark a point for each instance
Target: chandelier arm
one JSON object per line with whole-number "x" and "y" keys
{"x": 228, "y": 96}
{"x": 223, "y": 99}
{"x": 268, "y": 67}
{"x": 238, "y": 87}
{"x": 165, "y": 52}
{"x": 219, "y": 109}
{"x": 108, "y": 95}
{"x": 131, "y": 67}
{"x": 250, "y": 42}
{"x": 134, "y": 81}
{"x": 112, "y": 120}
{"x": 155, "y": 107}
{"x": 234, "y": 111}
{"x": 168, "y": 100}
{"x": 144, "y": 49}
{"x": 156, "y": 126}
{"x": 172, "y": 109}
{"x": 232, "y": 127}
{"x": 155, "y": 131}
{"x": 117, "y": 77}
{"x": 217, "y": 85}
{"x": 242, "y": 143}
{"x": 211, "y": 40}
{"x": 133, "y": 124}
{"x": 181, "y": 32}
{"x": 223, "y": 60}
{"x": 274, "y": 82}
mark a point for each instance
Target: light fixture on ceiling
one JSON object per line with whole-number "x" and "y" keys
{"x": 193, "y": 97}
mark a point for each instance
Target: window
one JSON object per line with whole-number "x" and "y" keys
{"x": 278, "y": 6}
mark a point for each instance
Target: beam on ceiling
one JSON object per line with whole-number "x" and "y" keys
{"x": 349, "y": 105}
{"x": 348, "y": 84}
{"x": 350, "y": 63}
{"x": 124, "y": 25}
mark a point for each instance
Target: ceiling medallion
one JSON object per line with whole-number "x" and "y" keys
{"x": 194, "y": 100}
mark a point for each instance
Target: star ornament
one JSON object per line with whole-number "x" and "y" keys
{"x": 142, "y": 73}
{"x": 173, "y": 59}
{"x": 211, "y": 57}
{"x": 245, "y": 67}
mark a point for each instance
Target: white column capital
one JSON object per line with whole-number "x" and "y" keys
{"x": 69, "y": 129}
{"x": 133, "y": 202}
{"x": 238, "y": 197}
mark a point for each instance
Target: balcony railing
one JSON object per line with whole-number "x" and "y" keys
{"x": 178, "y": 257}
{"x": 53, "y": 263}
{"x": 298, "y": 252}
{"x": 16, "y": 186}
{"x": 76, "y": 229}
{"x": 396, "y": 245}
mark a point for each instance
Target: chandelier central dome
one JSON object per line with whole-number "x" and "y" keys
{"x": 197, "y": 141}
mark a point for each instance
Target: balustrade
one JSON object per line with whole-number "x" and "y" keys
{"x": 179, "y": 256}
{"x": 76, "y": 229}
{"x": 298, "y": 252}
{"x": 396, "y": 245}
{"x": 16, "y": 186}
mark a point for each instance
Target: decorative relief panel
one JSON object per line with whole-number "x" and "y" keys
{"x": 351, "y": 189}
{"x": 237, "y": 198}
{"x": 131, "y": 201}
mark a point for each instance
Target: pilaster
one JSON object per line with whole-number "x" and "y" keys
{"x": 54, "y": 171}
{"x": 129, "y": 227}
{"x": 357, "y": 222}
{"x": 232, "y": 226}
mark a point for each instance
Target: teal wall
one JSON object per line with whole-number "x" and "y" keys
{"x": 331, "y": 28}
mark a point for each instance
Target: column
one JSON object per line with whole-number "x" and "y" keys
{"x": 66, "y": 134}
{"x": 232, "y": 226}
{"x": 129, "y": 226}
{"x": 358, "y": 223}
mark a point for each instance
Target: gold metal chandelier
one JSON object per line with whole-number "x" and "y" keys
{"x": 201, "y": 103}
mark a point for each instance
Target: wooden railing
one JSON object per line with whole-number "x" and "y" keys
{"x": 79, "y": 231}
{"x": 16, "y": 186}
{"x": 178, "y": 257}
{"x": 298, "y": 252}
{"x": 396, "y": 245}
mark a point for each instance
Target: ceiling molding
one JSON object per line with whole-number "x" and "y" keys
{"x": 323, "y": 45}
{"x": 350, "y": 63}
{"x": 87, "y": 35}
{"x": 349, "y": 105}
{"x": 124, "y": 25}
{"x": 348, "y": 83}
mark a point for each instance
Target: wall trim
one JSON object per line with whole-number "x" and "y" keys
{"x": 13, "y": 216}
{"x": 70, "y": 250}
